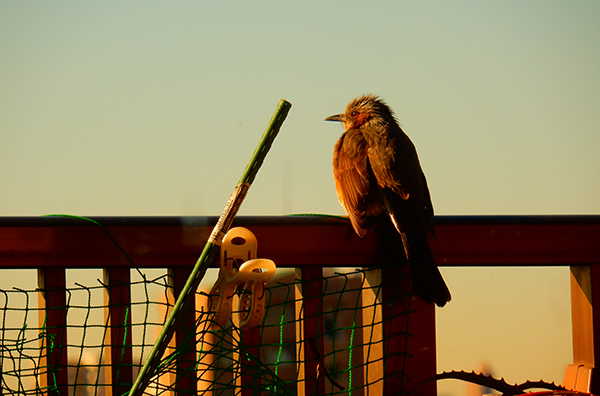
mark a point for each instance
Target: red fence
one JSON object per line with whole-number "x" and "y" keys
{"x": 307, "y": 243}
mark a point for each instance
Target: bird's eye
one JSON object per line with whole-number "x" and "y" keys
{"x": 354, "y": 113}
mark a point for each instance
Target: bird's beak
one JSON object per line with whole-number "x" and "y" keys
{"x": 337, "y": 117}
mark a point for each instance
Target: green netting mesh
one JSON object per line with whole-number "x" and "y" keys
{"x": 264, "y": 359}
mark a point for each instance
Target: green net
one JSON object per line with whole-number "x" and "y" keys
{"x": 264, "y": 360}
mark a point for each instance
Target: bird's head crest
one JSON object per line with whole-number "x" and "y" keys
{"x": 364, "y": 109}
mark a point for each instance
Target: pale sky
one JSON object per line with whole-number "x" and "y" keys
{"x": 154, "y": 108}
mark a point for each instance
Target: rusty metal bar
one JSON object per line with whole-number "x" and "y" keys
{"x": 292, "y": 241}
{"x": 117, "y": 313}
{"x": 185, "y": 336}
{"x": 53, "y": 319}
{"x": 309, "y": 328}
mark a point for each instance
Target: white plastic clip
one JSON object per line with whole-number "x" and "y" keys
{"x": 239, "y": 266}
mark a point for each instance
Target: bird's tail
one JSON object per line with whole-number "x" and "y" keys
{"x": 428, "y": 283}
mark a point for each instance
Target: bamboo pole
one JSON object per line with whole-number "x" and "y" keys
{"x": 211, "y": 249}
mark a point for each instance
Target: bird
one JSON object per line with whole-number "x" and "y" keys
{"x": 379, "y": 180}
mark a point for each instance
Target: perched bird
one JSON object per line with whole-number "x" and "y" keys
{"x": 379, "y": 179}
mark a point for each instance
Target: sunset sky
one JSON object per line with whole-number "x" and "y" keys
{"x": 154, "y": 108}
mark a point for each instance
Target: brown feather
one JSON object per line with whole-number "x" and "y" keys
{"x": 377, "y": 174}
{"x": 352, "y": 178}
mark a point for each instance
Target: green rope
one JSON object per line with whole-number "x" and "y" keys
{"x": 350, "y": 349}
{"x": 280, "y": 349}
{"x": 68, "y": 216}
{"x": 126, "y": 327}
{"x": 329, "y": 216}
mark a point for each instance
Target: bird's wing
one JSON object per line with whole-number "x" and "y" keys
{"x": 428, "y": 206}
{"x": 398, "y": 172}
{"x": 351, "y": 174}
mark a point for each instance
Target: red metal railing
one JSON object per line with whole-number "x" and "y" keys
{"x": 51, "y": 245}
